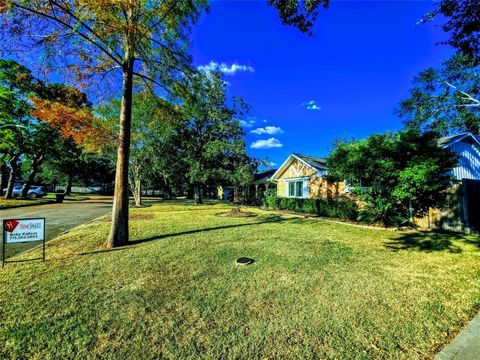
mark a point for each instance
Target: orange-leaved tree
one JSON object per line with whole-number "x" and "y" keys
{"x": 77, "y": 124}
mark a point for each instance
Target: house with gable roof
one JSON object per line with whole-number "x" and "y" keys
{"x": 467, "y": 147}
{"x": 305, "y": 176}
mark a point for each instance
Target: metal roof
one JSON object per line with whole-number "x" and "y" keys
{"x": 450, "y": 140}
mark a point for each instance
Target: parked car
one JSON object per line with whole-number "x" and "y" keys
{"x": 34, "y": 192}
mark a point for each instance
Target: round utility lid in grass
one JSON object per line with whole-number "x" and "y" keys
{"x": 244, "y": 261}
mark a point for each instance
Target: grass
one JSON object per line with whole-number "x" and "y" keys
{"x": 72, "y": 197}
{"x": 316, "y": 290}
{"x": 5, "y": 204}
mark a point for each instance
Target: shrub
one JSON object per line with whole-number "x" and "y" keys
{"x": 384, "y": 213}
{"x": 341, "y": 208}
{"x": 310, "y": 206}
{"x": 271, "y": 200}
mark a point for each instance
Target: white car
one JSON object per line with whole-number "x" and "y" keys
{"x": 33, "y": 193}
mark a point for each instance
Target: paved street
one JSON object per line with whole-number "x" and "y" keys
{"x": 63, "y": 217}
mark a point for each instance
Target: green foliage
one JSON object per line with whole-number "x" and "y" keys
{"x": 439, "y": 98}
{"x": 339, "y": 208}
{"x": 272, "y": 201}
{"x": 381, "y": 212}
{"x": 209, "y": 136}
{"x": 301, "y": 14}
{"x": 446, "y": 99}
{"x": 462, "y": 23}
{"x": 16, "y": 84}
{"x": 391, "y": 171}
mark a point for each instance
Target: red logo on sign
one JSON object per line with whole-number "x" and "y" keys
{"x": 10, "y": 225}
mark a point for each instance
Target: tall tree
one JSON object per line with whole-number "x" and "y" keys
{"x": 153, "y": 123}
{"x": 211, "y": 138}
{"x": 74, "y": 130}
{"x": 447, "y": 99}
{"x": 444, "y": 99}
{"x": 16, "y": 84}
{"x": 39, "y": 145}
{"x": 146, "y": 39}
{"x": 462, "y": 24}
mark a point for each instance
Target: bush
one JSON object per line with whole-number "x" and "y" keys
{"x": 387, "y": 214}
{"x": 341, "y": 208}
{"x": 271, "y": 200}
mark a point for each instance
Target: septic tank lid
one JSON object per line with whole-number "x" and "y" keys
{"x": 244, "y": 261}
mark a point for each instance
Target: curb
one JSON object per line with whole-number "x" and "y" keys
{"x": 466, "y": 345}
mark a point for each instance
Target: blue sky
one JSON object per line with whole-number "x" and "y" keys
{"x": 344, "y": 81}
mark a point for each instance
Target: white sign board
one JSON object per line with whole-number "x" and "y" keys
{"x": 23, "y": 230}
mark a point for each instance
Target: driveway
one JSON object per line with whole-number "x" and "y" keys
{"x": 62, "y": 217}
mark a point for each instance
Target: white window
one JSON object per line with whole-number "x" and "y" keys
{"x": 297, "y": 189}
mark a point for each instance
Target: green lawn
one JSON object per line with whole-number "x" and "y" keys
{"x": 317, "y": 290}
{"x": 72, "y": 197}
{"x": 5, "y": 204}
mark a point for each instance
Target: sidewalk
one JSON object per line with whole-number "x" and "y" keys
{"x": 466, "y": 346}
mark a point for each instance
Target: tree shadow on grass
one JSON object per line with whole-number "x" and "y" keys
{"x": 430, "y": 241}
{"x": 262, "y": 220}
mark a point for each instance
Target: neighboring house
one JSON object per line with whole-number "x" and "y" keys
{"x": 304, "y": 176}
{"x": 467, "y": 148}
{"x": 463, "y": 211}
{"x": 254, "y": 191}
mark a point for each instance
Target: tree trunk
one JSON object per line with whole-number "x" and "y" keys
{"x": 37, "y": 161}
{"x": 137, "y": 192}
{"x": 68, "y": 186}
{"x": 119, "y": 228}
{"x": 3, "y": 176}
{"x": 198, "y": 194}
{"x": 190, "y": 192}
{"x": 13, "y": 174}
{"x": 168, "y": 190}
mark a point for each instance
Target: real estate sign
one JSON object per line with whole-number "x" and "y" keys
{"x": 17, "y": 231}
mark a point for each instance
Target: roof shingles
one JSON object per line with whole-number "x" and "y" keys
{"x": 317, "y": 162}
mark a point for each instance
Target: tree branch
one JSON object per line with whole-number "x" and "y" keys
{"x": 85, "y": 25}
{"x": 68, "y": 26}
{"x": 475, "y": 102}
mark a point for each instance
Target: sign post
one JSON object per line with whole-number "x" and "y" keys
{"x": 17, "y": 231}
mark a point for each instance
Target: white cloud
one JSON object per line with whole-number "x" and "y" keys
{"x": 271, "y": 163}
{"x": 247, "y": 123}
{"x": 224, "y": 68}
{"x": 266, "y": 144}
{"x": 270, "y": 130}
{"x": 311, "y": 105}
{"x": 265, "y": 120}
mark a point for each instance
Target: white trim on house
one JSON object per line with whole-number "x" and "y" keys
{"x": 289, "y": 161}
{"x": 297, "y": 178}
{"x": 319, "y": 173}
{"x": 461, "y": 138}
{"x": 304, "y": 188}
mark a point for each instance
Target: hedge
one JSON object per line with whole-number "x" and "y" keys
{"x": 339, "y": 208}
